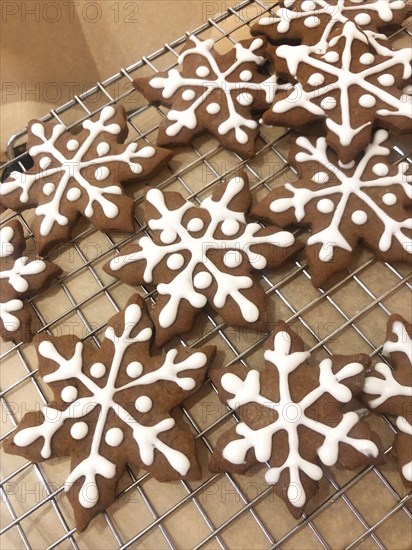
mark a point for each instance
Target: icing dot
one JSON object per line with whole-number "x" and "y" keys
{"x": 386, "y": 80}
{"x": 328, "y": 103}
{"x": 45, "y": 162}
{"x": 320, "y": 177}
{"x": 308, "y": 5}
{"x": 230, "y": 227}
{"x": 202, "y": 71}
{"x": 359, "y": 217}
{"x": 363, "y": 19}
{"x": 79, "y": 430}
{"x": 72, "y": 144}
{"x": 380, "y": 169}
{"x": 312, "y": 22}
{"x": 232, "y": 258}
{"x": 143, "y": 404}
{"x": 98, "y": 370}
{"x": 48, "y": 188}
{"x": 167, "y": 236}
{"x": 102, "y": 173}
{"x": 195, "y": 224}
{"x": 202, "y": 280}
{"x": 325, "y": 206}
{"x": 367, "y": 101}
{"x": 389, "y": 199}
{"x": 114, "y": 437}
{"x": 69, "y": 394}
{"x": 188, "y": 95}
{"x": 245, "y": 76}
{"x": 134, "y": 369}
{"x": 73, "y": 194}
{"x": 331, "y": 57}
{"x": 367, "y": 59}
{"x": 245, "y": 99}
{"x": 103, "y": 148}
{"x": 316, "y": 79}
{"x": 213, "y": 108}
{"x": 175, "y": 261}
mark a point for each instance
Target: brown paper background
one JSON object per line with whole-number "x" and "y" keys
{"x": 355, "y": 305}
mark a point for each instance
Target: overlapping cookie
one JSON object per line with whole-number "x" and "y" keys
{"x": 112, "y": 408}
{"x": 352, "y": 86}
{"x": 80, "y": 174}
{"x": 291, "y": 418}
{"x": 313, "y": 21}
{"x": 220, "y": 94}
{"x": 201, "y": 255}
{"x": 20, "y": 277}
{"x": 389, "y": 390}
{"x": 366, "y": 201}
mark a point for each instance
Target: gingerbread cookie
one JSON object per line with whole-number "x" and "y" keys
{"x": 20, "y": 277}
{"x": 216, "y": 93}
{"x": 354, "y": 85}
{"x": 389, "y": 391}
{"x": 364, "y": 201}
{"x": 80, "y": 175}
{"x": 112, "y": 408}
{"x": 291, "y": 417}
{"x": 201, "y": 255}
{"x": 312, "y": 21}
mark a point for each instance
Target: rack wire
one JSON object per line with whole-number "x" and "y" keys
{"x": 223, "y": 510}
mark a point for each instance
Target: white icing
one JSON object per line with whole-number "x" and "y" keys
{"x": 45, "y": 162}
{"x": 10, "y": 322}
{"x": 320, "y": 177}
{"x": 134, "y": 369}
{"x": 143, "y": 404}
{"x": 367, "y": 59}
{"x": 175, "y": 261}
{"x": 69, "y": 394}
{"x": 79, "y": 430}
{"x": 362, "y": 19}
{"x": 359, "y": 217}
{"x": 184, "y": 286}
{"x": 48, "y": 188}
{"x": 325, "y": 206}
{"x": 340, "y": 112}
{"x": 387, "y": 387}
{"x": 98, "y": 370}
{"x": 386, "y": 80}
{"x": 232, "y": 259}
{"x": 389, "y": 199}
{"x": 114, "y": 437}
{"x": 93, "y": 463}
{"x": 195, "y": 224}
{"x": 290, "y": 416}
{"x": 355, "y": 183}
{"x": 206, "y": 83}
{"x": 70, "y": 172}
{"x": 6, "y": 246}
{"x": 316, "y": 79}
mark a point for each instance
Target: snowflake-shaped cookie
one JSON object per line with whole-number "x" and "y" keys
{"x": 356, "y": 84}
{"x": 390, "y": 390}
{"x": 291, "y": 417}
{"x": 111, "y": 408}
{"x": 344, "y": 204}
{"x": 213, "y": 92}
{"x": 20, "y": 277}
{"x": 80, "y": 174}
{"x": 313, "y": 21}
{"x": 204, "y": 254}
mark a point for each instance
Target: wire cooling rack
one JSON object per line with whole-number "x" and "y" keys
{"x": 363, "y": 509}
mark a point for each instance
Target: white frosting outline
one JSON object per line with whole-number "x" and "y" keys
{"x": 69, "y": 170}
{"x": 262, "y": 440}
{"x": 145, "y": 437}
{"x": 332, "y": 237}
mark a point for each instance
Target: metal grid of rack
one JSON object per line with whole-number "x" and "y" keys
{"x": 255, "y": 516}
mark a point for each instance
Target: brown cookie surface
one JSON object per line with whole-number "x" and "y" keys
{"x": 112, "y": 408}
{"x": 313, "y": 21}
{"x": 20, "y": 277}
{"x": 201, "y": 255}
{"x": 80, "y": 174}
{"x": 389, "y": 390}
{"x": 210, "y": 92}
{"x": 366, "y": 201}
{"x": 352, "y": 85}
{"x": 291, "y": 417}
